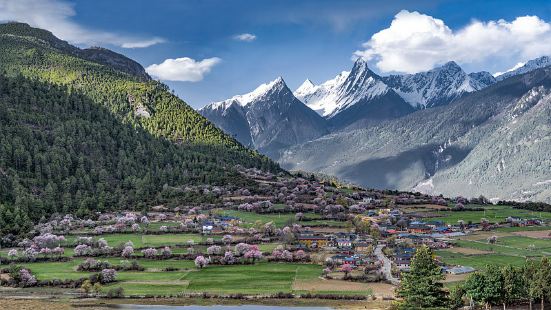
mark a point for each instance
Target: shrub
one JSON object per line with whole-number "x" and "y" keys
{"x": 149, "y": 253}
{"x": 91, "y": 264}
{"x": 166, "y": 252}
{"x": 201, "y": 262}
{"x": 127, "y": 251}
{"x": 26, "y": 279}
{"x": 108, "y": 275}
{"x": 117, "y": 292}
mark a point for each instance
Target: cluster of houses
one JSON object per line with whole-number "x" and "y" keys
{"x": 218, "y": 224}
{"x": 341, "y": 241}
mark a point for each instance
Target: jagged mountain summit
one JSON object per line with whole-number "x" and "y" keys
{"x": 269, "y": 118}
{"x": 321, "y": 98}
{"x": 438, "y": 86}
{"x": 531, "y": 65}
{"x": 351, "y": 97}
{"x": 428, "y": 89}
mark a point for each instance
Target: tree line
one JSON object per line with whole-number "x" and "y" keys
{"x": 508, "y": 285}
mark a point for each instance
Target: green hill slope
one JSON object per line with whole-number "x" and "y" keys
{"x": 81, "y": 136}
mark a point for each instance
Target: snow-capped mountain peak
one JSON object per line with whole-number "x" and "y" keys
{"x": 243, "y": 100}
{"x": 531, "y": 65}
{"x": 306, "y": 87}
{"x": 268, "y": 118}
{"x": 438, "y": 86}
{"x": 343, "y": 91}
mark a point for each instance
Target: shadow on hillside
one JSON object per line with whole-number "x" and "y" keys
{"x": 404, "y": 170}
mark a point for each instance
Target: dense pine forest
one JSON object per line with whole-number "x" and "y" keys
{"x": 79, "y": 136}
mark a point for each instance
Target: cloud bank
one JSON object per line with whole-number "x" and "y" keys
{"x": 245, "y": 37}
{"x": 182, "y": 69}
{"x": 55, "y": 16}
{"x": 416, "y": 42}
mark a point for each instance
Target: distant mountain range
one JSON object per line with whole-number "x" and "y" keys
{"x": 353, "y": 99}
{"x": 439, "y": 131}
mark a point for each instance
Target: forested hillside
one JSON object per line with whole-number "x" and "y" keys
{"x": 81, "y": 136}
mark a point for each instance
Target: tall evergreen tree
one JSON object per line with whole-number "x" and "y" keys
{"x": 421, "y": 287}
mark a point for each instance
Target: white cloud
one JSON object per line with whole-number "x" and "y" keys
{"x": 143, "y": 43}
{"x": 55, "y": 16}
{"x": 182, "y": 69}
{"x": 246, "y": 37}
{"x": 415, "y": 42}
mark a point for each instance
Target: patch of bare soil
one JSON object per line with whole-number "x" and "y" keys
{"x": 379, "y": 289}
{"x": 33, "y": 304}
{"x": 455, "y": 277}
{"x": 541, "y": 234}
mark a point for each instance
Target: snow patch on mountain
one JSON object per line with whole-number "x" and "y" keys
{"x": 321, "y": 98}
{"x": 531, "y": 65}
{"x": 437, "y": 86}
{"x": 421, "y": 90}
{"x": 343, "y": 91}
{"x": 515, "y": 67}
{"x": 246, "y": 99}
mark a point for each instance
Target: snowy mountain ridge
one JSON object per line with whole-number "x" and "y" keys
{"x": 531, "y": 65}
{"x": 248, "y": 98}
{"x": 421, "y": 90}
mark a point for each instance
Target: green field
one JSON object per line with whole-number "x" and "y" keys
{"x": 261, "y": 278}
{"x": 249, "y": 218}
{"x": 529, "y": 228}
{"x": 491, "y": 213}
{"x": 478, "y": 261}
{"x": 508, "y": 249}
{"x": 56, "y": 270}
{"x": 279, "y": 219}
{"x": 511, "y": 245}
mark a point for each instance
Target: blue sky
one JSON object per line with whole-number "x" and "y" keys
{"x": 293, "y": 39}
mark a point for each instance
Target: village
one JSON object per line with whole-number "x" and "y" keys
{"x": 303, "y": 229}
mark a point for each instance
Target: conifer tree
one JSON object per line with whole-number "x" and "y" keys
{"x": 421, "y": 286}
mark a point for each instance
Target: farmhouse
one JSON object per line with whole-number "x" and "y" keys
{"x": 313, "y": 241}
{"x": 418, "y": 228}
{"x": 362, "y": 246}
